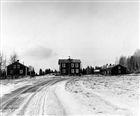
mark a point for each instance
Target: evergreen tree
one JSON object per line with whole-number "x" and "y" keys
{"x": 33, "y": 72}
{"x": 40, "y": 72}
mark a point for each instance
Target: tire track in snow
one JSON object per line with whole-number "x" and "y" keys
{"x": 32, "y": 99}
{"x": 10, "y": 106}
{"x": 36, "y": 104}
{"x": 52, "y": 104}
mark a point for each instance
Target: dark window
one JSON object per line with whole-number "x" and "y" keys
{"x": 119, "y": 71}
{"x": 77, "y": 70}
{"x": 63, "y": 65}
{"x": 119, "y": 67}
{"x": 18, "y": 66}
{"x": 72, "y": 65}
{"x": 76, "y": 65}
{"x": 72, "y": 70}
{"x": 63, "y": 71}
{"x": 14, "y": 66}
{"x": 21, "y": 71}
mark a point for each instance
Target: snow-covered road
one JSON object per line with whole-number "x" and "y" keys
{"x": 38, "y": 99}
{"x": 93, "y": 95}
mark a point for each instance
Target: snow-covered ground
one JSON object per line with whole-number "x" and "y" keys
{"x": 85, "y": 95}
{"x": 6, "y": 86}
{"x": 112, "y": 95}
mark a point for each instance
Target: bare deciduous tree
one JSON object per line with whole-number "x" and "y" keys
{"x": 132, "y": 62}
{"x": 137, "y": 59}
{"x": 123, "y": 61}
{"x": 137, "y": 53}
{"x": 13, "y": 58}
{"x": 2, "y": 64}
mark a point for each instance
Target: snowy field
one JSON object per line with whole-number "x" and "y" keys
{"x": 105, "y": 95}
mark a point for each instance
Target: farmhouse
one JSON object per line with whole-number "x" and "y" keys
{"x": 17, "y": 69}
{"x": 69, "y": 66}
{"x": 114, "y": 70}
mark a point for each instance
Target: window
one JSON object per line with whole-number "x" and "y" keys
{"x": 76, "y": 65}
{"x": 21, "y": 71}
{"x": 72, "y": 70}
{"x": 18, "y": 66}
{"x": 14, "y": 66}
{"x": 63, "y": 65}
{"x": 119, "y": 67}
{"x": 63, "y": 71}
{"x": 72, "y": 65}
{"x": 119, "y": 71}
{"x": 11, "y": 71}
{"x": 77, "y": 70}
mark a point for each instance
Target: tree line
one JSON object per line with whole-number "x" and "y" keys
{"x": 132, "y": 63}
{"x": 47, "y": 71}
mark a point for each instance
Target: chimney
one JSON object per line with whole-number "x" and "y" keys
{"x": 17, "y": 60}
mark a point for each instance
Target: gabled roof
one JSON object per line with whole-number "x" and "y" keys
{"x": 110, "y": 67}
{"x": 69, "y": 60}
{"x": 17, "y": 63}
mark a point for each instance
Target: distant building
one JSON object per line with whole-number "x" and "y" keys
{"x": 114, "y": 70}
{"x": 97, "y": 71}
{"x": 69, "y": 66}
{"x": 17, "y": 69}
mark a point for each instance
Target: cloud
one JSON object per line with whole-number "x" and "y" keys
{"x": 39, "y": 52}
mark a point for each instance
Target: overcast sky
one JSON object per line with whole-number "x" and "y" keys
{"x": 95, "y": 32}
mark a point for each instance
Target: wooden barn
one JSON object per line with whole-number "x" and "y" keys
{"x": 69, "y": 66}
{"x": 17, "y": 69}
{"x": 114, "y": 70}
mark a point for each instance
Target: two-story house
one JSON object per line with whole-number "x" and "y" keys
{"x": 17, "y": 69}
{"x": 69, "y": 66}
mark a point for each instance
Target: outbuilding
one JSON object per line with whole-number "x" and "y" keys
{"x": 114, "y": 70}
